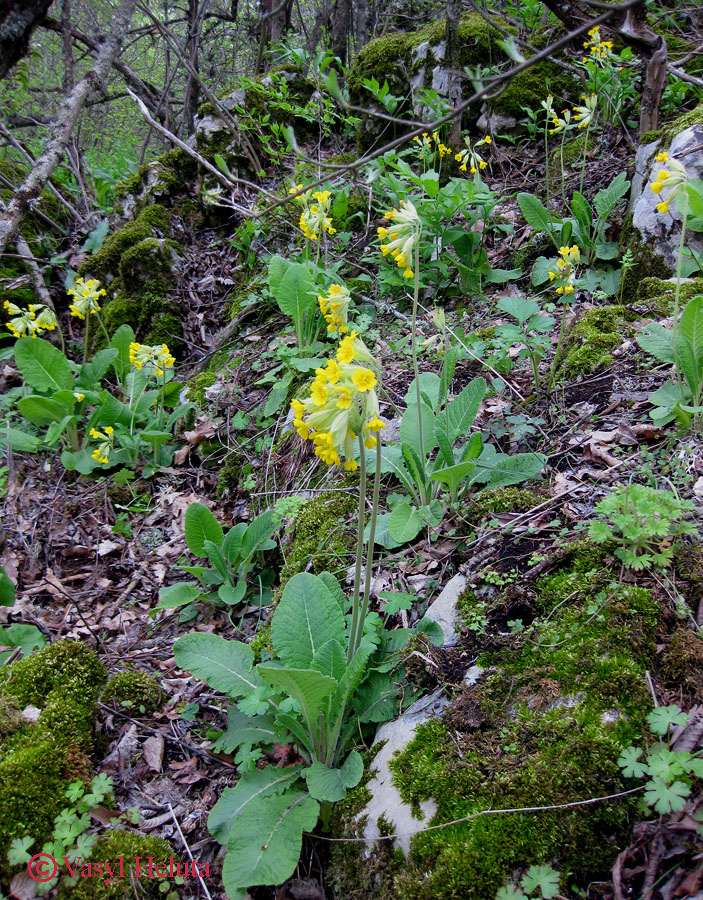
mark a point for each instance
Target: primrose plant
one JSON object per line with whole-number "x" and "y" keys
{"x": 326, "y": 682}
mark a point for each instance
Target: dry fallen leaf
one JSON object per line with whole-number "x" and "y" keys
{"x": 153, "y": 750}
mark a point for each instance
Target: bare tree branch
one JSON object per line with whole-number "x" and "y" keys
{"x": 18, "y": 19}
{"x": 66, "y": 121}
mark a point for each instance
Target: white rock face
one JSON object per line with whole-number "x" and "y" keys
{"x": 662, "y": 233}
{"x": 385, "y": 798}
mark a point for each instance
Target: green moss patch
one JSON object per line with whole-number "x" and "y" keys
{"x": 38, "y": 759}
{"x": 545, "y": 727}
{"x": 589, "y": 344}
{"x": 138, "y": 690}
{"x": 321, "y": 538}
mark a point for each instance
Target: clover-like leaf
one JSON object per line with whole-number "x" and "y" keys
{"x": 511, "y": 892}
{"x": 544, "y": 878}
{"x": 665, "y": 797}
{"x": 663, "y": 716}
{"x": 628, "y": 762}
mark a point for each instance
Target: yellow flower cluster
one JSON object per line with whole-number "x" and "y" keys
{"x": 470, "y": 158}
{"x": 597, "y": 48}
{"x": 86, "y": 297}
{"x": 158, "y": 356}
{"x": 402, "y": 235}
{"x": 102, "y": 452}
{"x": 342, "y": 404}
{"x": 675, "y": 177}
{"x": 583, "y": 115}
{"x": 335, "y": 308}
{"x": 429, "y": 142}
{"x": 314, "y": 219}
{"x": 26, "y": 322}
{"x": 565, "y": 274}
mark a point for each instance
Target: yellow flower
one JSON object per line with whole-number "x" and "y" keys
{"x": 403, "y": 237}
{"x": 318, "y": 393}
{"x": 314, "y": 219}
{"x": 662, "y": 156}
{"x": 663, "y": 207}
{"x": 364, "y": 379}
{"x": 86, "y": 297}
{"x": 673, "y": 178}
{"x": 158, "y": 356}
{"x": 102, "y": 451}
{"x": 79, "y": 397}
{"x": 26, "y": 322}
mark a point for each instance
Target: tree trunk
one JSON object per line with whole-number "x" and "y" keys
{"x": 451, "y": 61}
{"x": 18, "y": 19}
{"x": 341, "y": 26}
{"x": 192, "y": 94}
{"x": 66, "y": 121}
{"x": 275, "y": 21}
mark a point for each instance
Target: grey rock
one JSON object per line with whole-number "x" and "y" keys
{"x": 444, "y": 612}
{"x": 662, "y": 232}
{"x": 385, "y": 799}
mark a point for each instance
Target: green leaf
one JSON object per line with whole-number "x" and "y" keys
{"x": 666, "y": 798}
{"x": 41, "y": 365}
{"x": 663, "y": 716}
{"x": 503, "y": 470}
{"x": 265, "y": 840}
{"x": 19, "y": 440}
{"x": 41, "y": 411}
{"x": 457, "y": 417}
{"x": 691, "y": 328}
{"x": 80, "y": 461}
{"x": 306, "y": 618}
{"x": 178, "y": 594}
{"x": 429, "y": 385}
{"x": 93, "y": 371}
{"x": 330, "y": 659}
{"x": 500, "y": 276}
{"x": 278, "y": 395}
{"x": 121, "y": 339}
{"x": 377, "y": 698}
{"x": 252, "y": 786}
{"x": 26, "y": 637}
{"x": 293, "y": 288}
{"x": 410, "y": 432}
{"x": 658, "y": 341}
{"x": 331, "y": 785}
{"x": 405, "y": 523}
{"x": 225, "y": 665}
{"x": 383, "y": 537}
{"x": 606, "y": 198}
{"x": 628, "y": 762}
{"x": 543, "y": 878}
{"x": 257, "y": 534}
{"x": 232, "y": 596}
{"x": 201, "y": 526}
{"x": 534, "y": 212}
{"x": 541, "y": 269}
{"x": 335, "y": 589}
{"x": 519, "y": 308}
{"x": 7, "y": 589}
{"x": 452, "y": 476}
{"x": 511, "y": 892}
{"x": 232, "y": 544}
{"x": 242, "y": 730}
{"x": 306, "y": 686}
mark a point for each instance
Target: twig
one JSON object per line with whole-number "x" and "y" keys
{"x": 185, "y": 844}
{"x": 650, "y": 685}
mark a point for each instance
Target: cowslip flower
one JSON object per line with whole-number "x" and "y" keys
{"x": 314, "y": 219}
{"x": 86, "y": 297}
{"x": 158, "y": 356}
{"x": 584, "y": 114}
{"x": 402, "y": 235}
{"x": 335, "y": 308}
{"x": 26, "y": 322}
{"x": 470, "y": 158}
{"x": 563, "y": 276}
{"x": 102, "y": 451}
{"x": 342, "y": 404}
{"x": 673, "y": 178}
{"x": 561, "y": 125}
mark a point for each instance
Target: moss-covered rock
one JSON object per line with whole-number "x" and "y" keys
{"x": 544, "y": 727}
{"x": 163, "y": 181}
{"x": 589, "y": 344}
{"x": 502, "y": 500}
{"x": 656, "y": 295}
{"x": 321, "y": 539}
{"x": 127, "y": 845}
{"x": 413, "y": 60}
{"x": 105, "y": 264}
{"x": 645, "y": 263}
{"x": 38, "y": 759}
{"x": 137, "y": 690}
{"x": 531, "y": 87}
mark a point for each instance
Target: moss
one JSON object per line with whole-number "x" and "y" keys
{"x": 136, "y": 689}
{"x": 588, "y": 344}
{"x": 149, "y": 263}
{"x": 648, "y": 137}
{"x": 321, "y": 536}
{"x": 501, "y": 500}
{"x": 39, "y": 759}
{"x": 391, "y": 58}
{"x": 530, "y": 87}
{"x": 656, "y": 295}
{"x": 104, "y": 265}
{"x": 572, "y": 154}
{"x": 262, "y": 644}
{"x": 172, "y": 168}
{"x": 108, "y": 850}
{"x": 199, "y": 384}
{"x": 64, "y": 664}
{"x": 669, "y": 132}
{"x": 682, "y": 661}
{"x": 646, "y": 264}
